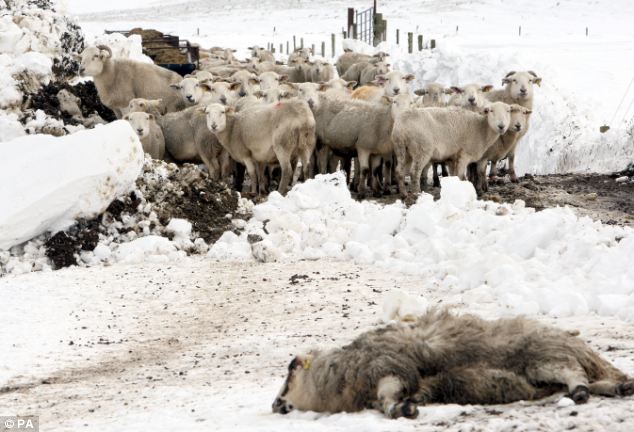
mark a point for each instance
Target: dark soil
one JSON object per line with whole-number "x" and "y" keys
{"x": 46, "y": 100}
{"x": 192, "y": 195}
{"x": 596, "y": 195}
{"x": 186, "y": 193}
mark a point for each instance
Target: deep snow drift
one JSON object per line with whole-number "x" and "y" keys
{"x": 551, "y": 262}
{"x": 44, "y": 188}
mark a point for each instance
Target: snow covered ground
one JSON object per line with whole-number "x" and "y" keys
{"x": 202, "y": 345}
{"x": 151, "y": 339}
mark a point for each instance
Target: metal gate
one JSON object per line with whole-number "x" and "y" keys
{"x": 365, "y": 26}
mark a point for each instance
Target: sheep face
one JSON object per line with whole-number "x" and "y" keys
{"x": 472, "y": 95}
{"x": 270, "y": 80}
{"x": 394, "y": 82}
{"x": 190, "y": 89}
{"x": 382, "y": 68}
{"x": 68, "y": 102}
{"x": 340, "y": 84}
{"x": 310, "y": 93}
{"x": 520, "y": 84}
{"x": 519, "y": 118}
{"x": 498, "y": 116}
{"x": 217, "y": 117}
{"x": 244, "y": 83}
{"x": 274, "y": 95}
{"x": 92, "y": 61}
{"x": 204, "y": 77}
{"x": 400, "y": 103}
{"x": 218, "y": 92}
{"x": 144, "y": 105}
{"x": 433, "y": 94}
{"x": 140, "y": 122}
{"x": 296, "y": 393}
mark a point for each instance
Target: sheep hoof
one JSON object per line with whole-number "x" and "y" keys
{"x": 514, "y": 179}
{"x": 625, "y": 388}
{"x": 580, "y": 394}
{"x": 404, "y": 409}
{"x": 377, "y": 194}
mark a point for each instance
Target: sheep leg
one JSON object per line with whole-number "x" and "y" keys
{"x": 287, "y": 173}
{"x": 512, "y": 168}
{"x": 376, "y": 167}
{"x": 253, "y": 175}
{"x": 206, "y": 153}
{"x": 307, "y": 164}
{"x": 493, "y": 173}
{"x": 402, "y": 167}
{"x": 612, "y": 388}
{"x": 569, "y": 373}
{"x": 238, "y": 175}
{"x": 461, "y": 168}
{"x": 322, "y": 159}
{"x": 476, "y": 385}
{"x": 225, "y": 165}
{"x": 481, "y": 176}
{"x": 387, "y": 174}
{"x": 354, "y": 174}
{"x": 436, "y": 179}
{"x": 390, "y": 399}
{"x": 263, "y": 184}
{"x": 363, "y": 157}
{"x": 417, "y": 169}
{"x": 425, "y": 176}
{"x": 443, "y": 167}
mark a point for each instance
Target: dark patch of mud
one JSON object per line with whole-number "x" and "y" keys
{"x": 46, "y": 100}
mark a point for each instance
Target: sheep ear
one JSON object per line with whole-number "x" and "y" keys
{"x": 455, "y": 89}
{"x": 205, "y": 86}
{"x": 486, "y": 88}
{"x": 528, "y": 112}
{"x": 409, "y": 77}
{"x": 259, "y": 94}
{"x": 126, "y": 117}
{"x": 323, "y": 86}
{"x": 254, "y": 81}
{"x": 285, "y": 95}
{"x": 538, "y": 81}
{"x": 386, "y": 100}
{"x": 283, "y": 78}
{"x": 234, "y": 86}
{"x": 347, "y": 50}
{"x": 201, "y": 109}
{"x": 292, "y": 85}
{"x": 509, "y": 74}
{"x": 448, "y": 91}
{"x": 175, "y": 86}
{"x": 150, "y": 116}
{"x": 486, "y": 110}
{"x": 229, "y": 110}
{"x": 420, "y": 92}
{"x": 351, "y": 84}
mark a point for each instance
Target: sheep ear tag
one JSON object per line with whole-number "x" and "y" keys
{"x": 307, "y": 363}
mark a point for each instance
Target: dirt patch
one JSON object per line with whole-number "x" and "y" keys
{"x": 164, "y": 192}
{"x": 189, "y": 193}
{"x": 46, "y": 100}
{"x": 598, "y": 196}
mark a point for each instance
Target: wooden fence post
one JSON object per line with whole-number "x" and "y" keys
{"x": 287, "y": 47}
{"x": 323, "y": 49}
{"x": 420, "y": 42}
{"x": 281, "y": 49}
{"x": 312, "y": 49}
{"x": 294, "y": 43}
{"x": 349, "y": 29}
{"x": 432, "y": 45}
{"x": 301, "y": 43}
{"x": 332, "y": 39}
{"x": 398, "y": 36}
{"x": 410, "y": 42}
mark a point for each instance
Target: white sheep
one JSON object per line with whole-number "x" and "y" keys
{"x": 390, "y": 84}
{"x": 349, "y": 58}
{"x": 503, "y": 146}
{"x": 149, "y": 132}
{"x": 266, "y": 134}
{"x": 424, "y": 135}
{"x": 271, "y": 79}
{"x": 432, "y": 95}
{"x": 71, "y": 105}
{"x": 470, "y": 96}
{"x": 518, "y": 90}
{"x": 321, "y": 71}
{"x": 244, "y": 83}
{"x": 152, "y": 106}
{"x": 261, "y": 54}
{"x": 118, "y": 81}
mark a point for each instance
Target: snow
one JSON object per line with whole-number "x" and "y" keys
{"x": 550, "y": 262}
{"x": 63, "y": 179}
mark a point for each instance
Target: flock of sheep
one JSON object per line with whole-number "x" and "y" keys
{"x": 260, "y": 114}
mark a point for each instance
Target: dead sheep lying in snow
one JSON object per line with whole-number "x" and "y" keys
{"x": 445, "y": 358}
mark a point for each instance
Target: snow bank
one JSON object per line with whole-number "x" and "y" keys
{"x": 564, "y": 131}
{"x": 550, "y": 262}
{"x": 46, "y": 183}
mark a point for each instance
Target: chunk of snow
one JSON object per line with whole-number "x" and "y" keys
{"x": 46, "y": 183}
{"x": 401, "y": 306}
